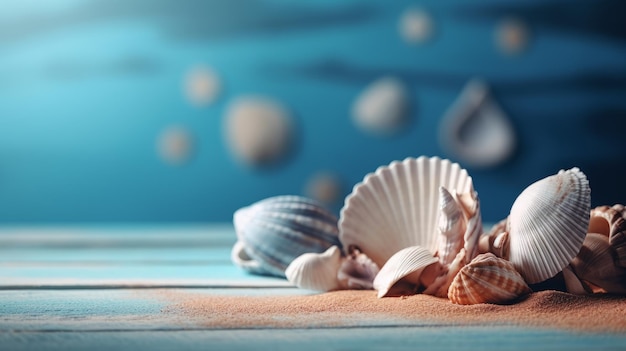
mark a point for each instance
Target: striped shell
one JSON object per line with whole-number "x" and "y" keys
{"x": 548, "y": 223}
{"x": 611, "y": 222}
{"x": 487, "y": 279}
{"x": 273, "y": 232}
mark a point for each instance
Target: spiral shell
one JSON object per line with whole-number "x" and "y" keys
{"x": 487, "y": 279}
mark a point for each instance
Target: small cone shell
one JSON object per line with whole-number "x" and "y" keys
{"x": 487, "y": 279}
{"x": 316, "y": 271}
{"x": 548, "y": 224}
{"x": 409, "y": 261}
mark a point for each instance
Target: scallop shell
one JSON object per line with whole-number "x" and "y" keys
{"x": 316, "y": 271}
{"x": 548, "y": 223}
{"x": 398, "y": 206}
{"x": 596, "y": 264}
{"x": 273, "y": 232}
{"x": 487, "y": 279}
{"x": 407, "y": 265}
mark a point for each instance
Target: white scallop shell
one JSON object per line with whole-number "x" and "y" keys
{"x": 408, "y": 264}
{"x": 398, "y": 207}
{"x": 316, "y": 271}
{"x": 548, "y": 224}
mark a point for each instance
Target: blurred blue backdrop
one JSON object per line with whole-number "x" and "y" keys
{"x": 87, "y": 88}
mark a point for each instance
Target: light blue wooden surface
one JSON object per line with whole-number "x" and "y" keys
{"x": 104, "y": 289}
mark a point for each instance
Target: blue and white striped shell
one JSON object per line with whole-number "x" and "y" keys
{"x": 271, "y": 233}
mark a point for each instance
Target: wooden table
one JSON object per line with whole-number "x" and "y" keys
{"x": 98, "y": 287}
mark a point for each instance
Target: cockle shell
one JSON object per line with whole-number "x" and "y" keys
{"x": 316, "y": 271}
{"x": 398, "y": 207}
{"x": 271, "y": 233}
{"x": 407, "y": 265}
{"x": 548, "y": 224}
{"x": 487, "y": 279}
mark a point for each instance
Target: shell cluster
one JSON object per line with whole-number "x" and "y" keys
{"x": 414, "y": 226}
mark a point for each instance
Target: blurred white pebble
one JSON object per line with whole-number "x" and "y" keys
{"x": 258, "y": 130}
{"x": 512, "y": 36}
{"x": 202, "y": 86}
{"x": 324, "y": 187}
{"x": 416, "y": 26}
{"x": 175, "y": 145}
{"x": 476, "y": 130}
{"x": 383, "y": 106}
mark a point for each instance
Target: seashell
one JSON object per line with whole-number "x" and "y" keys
{"x": 273, "y": 232}
{"x": 476, "y": 130}
{"x": 407, "y": 266}
{"x": 487, "y": 279}
{"x": 316, "y": 271}
{"x": 548, "y": 224}
{"x": 573, "y": 284}
{"x": 596, "y": 264}
{"x": 382, "y": 108}
{"x": 357, "y": 271}
{"x": 398, "y": 206}
{"x": 496, "y": 241}
{"x": 611, "y": 221}
{"x": 451, "y": 227}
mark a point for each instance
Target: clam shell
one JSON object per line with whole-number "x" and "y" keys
{"x": 611, "y": 221}
{"x": 596, "y": 264}
{"x": 398, "y": 206}
{"x": 273, "y": 232}
{"x": 406, "y": 264}
{"x": 548, "y": 223}
{"x": 487, "y": 279}
{"x": 316, "y": 271}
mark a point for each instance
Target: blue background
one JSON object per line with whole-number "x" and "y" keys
{"x": 87, "y": 87}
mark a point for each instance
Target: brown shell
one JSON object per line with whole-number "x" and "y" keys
{"x": 611, "y": 222}
{"x": 596, "y": 264}
{"x": 487, "y": 279}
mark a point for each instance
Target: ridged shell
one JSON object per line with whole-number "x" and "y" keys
{"x": 357, "y": 271}
{"x": 316, "y": 271}
{"x": 548, "y": 223}
{"x": 398, "y": 206}
{"x": 596, "y": 264}
{"x": 273, "y": 232}
{"x": 611, "y": 221}
{"x": 408, "y": 261}
{"x": 487, "y": 279}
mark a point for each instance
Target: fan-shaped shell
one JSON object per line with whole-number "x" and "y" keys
{"x": 397, "y": 206}
{"x": 273, "y": 232}
{"x": 548, "y": 223}
{"x": 316, "y": 271}
{"x": 408, "y": 264}
{"x": 487, "y": 279}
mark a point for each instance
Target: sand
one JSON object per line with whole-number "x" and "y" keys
{"x": 353, "y": 308}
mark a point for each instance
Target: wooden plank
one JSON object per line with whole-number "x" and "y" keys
{"x": 37, "y": 256}
{"x": 118, "y": 236}
{"x": 404, "y": 338}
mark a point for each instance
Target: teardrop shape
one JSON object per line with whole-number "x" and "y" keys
{"x": 487, "y": 279}
{"x": 316, "y": 271}
{"x": 548, "y": 224}
{"x": 274, "y": 231}
{"x": 476, "y": 130}
{"x": 407, "y": 264}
